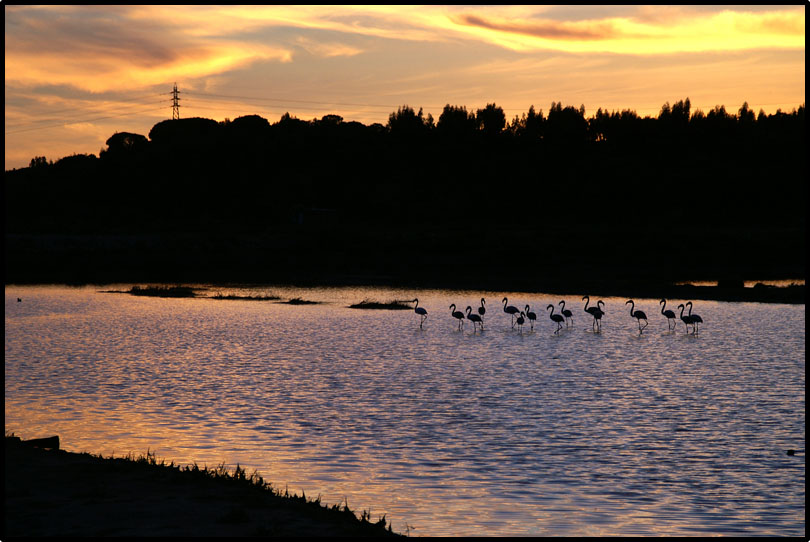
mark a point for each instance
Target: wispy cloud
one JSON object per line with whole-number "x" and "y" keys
{"x": 106, "y": 50}
{"x": 649, "y": 31}
{"x": 74, "y": 74}
{"x": 546, "y": 29}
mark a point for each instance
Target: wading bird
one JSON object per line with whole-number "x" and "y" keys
{"x": 696, "y": 320}
{"x": 638, "y": 315}
{"x": 511, "y": 309}
{"x": 669, "y": 314}
{"x": 476, "y": 319}
{"x": 557, "y": 318}
{"x": 482, "y": 310}
{"x": 420, "y": 311}
{"x": 457, "y": 315}
{"x": 531, "y": 316}
{"x": 597, "y": 312}
{"x": 687, "y": 320}
{"x": 567, "y": 313}
{"x": 520, "y": 320}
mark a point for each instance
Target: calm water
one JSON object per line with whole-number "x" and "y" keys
{"x": 446, "y": 432}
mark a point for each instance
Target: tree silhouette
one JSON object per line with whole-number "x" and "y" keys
{"x": 455, "y": 123}
{"x": 491, "y": 120}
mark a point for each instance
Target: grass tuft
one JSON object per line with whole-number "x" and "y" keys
{"x": 299, "y": 301}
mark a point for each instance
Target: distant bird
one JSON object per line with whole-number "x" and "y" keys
{"x": 19, "y": 300}
{"x": 695, "y": 318}
{"x": 476, "y": 319}
{"x": 511, "y": 309}
{"x": 638, "y": 315}
{"x": 558, "y": 318}
{"x": 669, "y": 314}
{"x": 567, "y": 313}
{"x": 520, "y": 320}
{"x": 420, "y": 311}
{"x": 531, "y": 316}
{"x": 482, "y": 310}
{"x": 597, "y": 312}
{"x": 457, "y": 315}
{"x": 687, "y": 320}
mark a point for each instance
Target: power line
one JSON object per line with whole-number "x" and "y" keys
{"x": 96, "y": 105}
{"x": 287, "y": 101}
{"x": 85, "y": 120}
{"x": 67, "y": 117}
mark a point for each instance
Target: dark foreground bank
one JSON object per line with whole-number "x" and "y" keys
{"x": 51, "y": 492}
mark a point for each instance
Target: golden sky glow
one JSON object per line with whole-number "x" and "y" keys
{"x": 77, "y": 74}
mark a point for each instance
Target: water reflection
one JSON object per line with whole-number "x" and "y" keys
{"x": 452, "y": 432}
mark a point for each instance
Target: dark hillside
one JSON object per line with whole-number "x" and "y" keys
{"x": 469, "y": 198}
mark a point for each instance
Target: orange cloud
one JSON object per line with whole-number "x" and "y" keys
{"x": 102, "y": 50}
{"x": 547, "y": 29}
{"x": 681, "y": 31}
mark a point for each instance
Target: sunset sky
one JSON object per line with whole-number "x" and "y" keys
{"x": 77, "y": 74}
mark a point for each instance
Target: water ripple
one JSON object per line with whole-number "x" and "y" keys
{"x": 452, "y": 432}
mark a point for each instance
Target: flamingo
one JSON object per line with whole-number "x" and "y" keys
{"x": 482, "y": 310}
{"x": 475, "y": 318}
{"x": 458, "y": 315}
{"x": 669, "y": 314}
{"x": 558, "y": 318}
{"x": 520, "y": 320}
{"x": 597, "y": 312}
{"x": 531, "y": 316}
{"x": 695, "y": 318}
{"x": 420, "y": 311}
{"x": 638, "y": 315}
{"x": 687, "y": 320}
{"x": 511, "y": 309}
{"x": 567, "y": 313}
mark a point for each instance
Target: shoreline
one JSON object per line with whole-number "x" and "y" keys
{"x": 794, "y": 294}
{"x": 53, "y": 492}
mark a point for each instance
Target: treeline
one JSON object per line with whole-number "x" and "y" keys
{"x": 470, "y": 198}
{"x": 474, "y": 167}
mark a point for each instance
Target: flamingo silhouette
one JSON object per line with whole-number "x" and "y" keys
{"x": 597, "y": 312}
{"x": 458, "y": 315}
{"x": 420, "y": 311}
{"x": 669, "y": 314}
{"x": 475, "y": 318}
{"x": 557, "y": 318}
{"x": 687, "y": 320}
{"x": 695, "y": 318}
{"x": 567, "y": 313}
{"x": 531, "y": 316}
{"x": 511, "y": 309}
{"x": 638, "y": 315}
{"x": 520, "y": 320}
{"x": 482, "y": 310}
